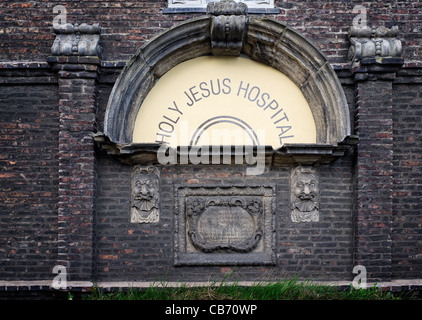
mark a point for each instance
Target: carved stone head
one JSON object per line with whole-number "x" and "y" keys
{"x": 304, "y": 194}
{"x": 145, "y": 194}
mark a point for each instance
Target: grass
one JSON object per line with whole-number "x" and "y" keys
{"x": 282, "y": 290}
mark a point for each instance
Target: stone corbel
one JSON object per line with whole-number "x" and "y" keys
{"x": 77, "y": 40}
{"x": 228, "y": 27}
{"x": 375, "y": 44}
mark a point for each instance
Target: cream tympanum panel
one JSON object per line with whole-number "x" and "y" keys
{"x": 224, "y": 101}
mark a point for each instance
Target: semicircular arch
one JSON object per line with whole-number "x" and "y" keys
{"x": 266, "y": 41}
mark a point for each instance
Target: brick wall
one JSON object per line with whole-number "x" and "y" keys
{"x": 407, "y": 201}
{"x": 132, "y": 251}
{"x": 374, "y": 176}
{"x": 28, "y": 180}
{"x": 26, "y": 29}
{"x": 33, "y": 197}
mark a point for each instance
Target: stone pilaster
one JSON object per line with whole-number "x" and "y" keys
{"x": 375, "y": 55}
{"x": 77, "y": 76}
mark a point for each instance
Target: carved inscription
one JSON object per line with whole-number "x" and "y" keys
{"x": 226, "y": 226}
{"x": 232, "y": 224}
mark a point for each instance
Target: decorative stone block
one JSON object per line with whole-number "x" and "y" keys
{"x": 228, "y": 28}
{"x": 77, "y": 40}
{"x": 227, "y": 7}
{"x": 374, "y": 43}
{"x": 145, "y": 195}
{"x": 231, "y": 225}
{"x": 304, "y": 194}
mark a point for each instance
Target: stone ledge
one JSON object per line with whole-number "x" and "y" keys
{"x": 288, "y": 154}
{"x": 415, "y": 284}
{"x": 23, "y": 65}
{"x": 15, "y": 72}
{"x": 74, "y": 59}
{"x": 86, "y": 286}
{"x": 42, "y": 285}
{"x": 204, "y": 10}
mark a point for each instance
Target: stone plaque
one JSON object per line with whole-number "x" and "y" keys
{"x": 224, "y": 225}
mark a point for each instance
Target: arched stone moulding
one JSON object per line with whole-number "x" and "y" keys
{"x": 186, "y": 41}
{"x": 266, "y": 41}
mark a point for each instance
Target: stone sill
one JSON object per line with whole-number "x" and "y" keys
{"x": 86, "y": 286}
{"x": 288, "y": 154}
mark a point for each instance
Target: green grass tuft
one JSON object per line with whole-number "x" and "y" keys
{"x": 282, "y": 290}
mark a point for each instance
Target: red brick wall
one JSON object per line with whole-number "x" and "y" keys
{"x": 131, "y": 251}
{"x": 39, "y": 140}
{"x": 28, "y": 180}
{"x": 26, "y": 27}
{"x": 407, "y": 195}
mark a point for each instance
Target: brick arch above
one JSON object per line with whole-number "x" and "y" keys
{"x": 261, "y": 39}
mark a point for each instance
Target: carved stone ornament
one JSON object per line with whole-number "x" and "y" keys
{"x": 304, "y": 194}
{"x": 374, "y": 43}
{"x": 76, "y": 40}
{"x": 145, "y": 195}
{"x": 228, "y": 27}
{"x": 225, "y": 225}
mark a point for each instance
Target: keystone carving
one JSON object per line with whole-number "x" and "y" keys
{"x": 228, "y": 27}
{"x": 374, "y": 43}
{"x": 304, "y": 194}
{"x": 145, "y": 195}
{"x": 77, "y": 40}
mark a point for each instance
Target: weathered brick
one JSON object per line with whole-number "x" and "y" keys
{"x": 47, "y": 161}
{"x": 128, "y": 25}
{"x": 28, "y": 187}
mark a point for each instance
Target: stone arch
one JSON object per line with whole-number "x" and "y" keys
{"x": 264, "y": 40}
